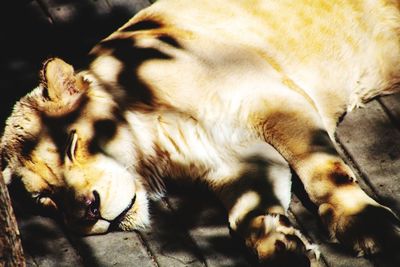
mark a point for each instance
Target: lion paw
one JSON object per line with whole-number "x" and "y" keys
{"x": 369, "y": 231}
{"x": 277, "y": 243}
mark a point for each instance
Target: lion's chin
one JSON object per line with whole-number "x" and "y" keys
{"x": 100, "y": 227}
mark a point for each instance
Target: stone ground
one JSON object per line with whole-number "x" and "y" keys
{"x": 189, "y": 227}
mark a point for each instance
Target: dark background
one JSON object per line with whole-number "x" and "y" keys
{"x": 33, "y": 30}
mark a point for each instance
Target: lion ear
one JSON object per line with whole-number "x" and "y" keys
{"x": 62, "y": 88}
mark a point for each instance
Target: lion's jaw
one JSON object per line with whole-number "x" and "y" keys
{"x": 122, "y": 200}
{"x": 134, "y": 215}
{"x": 137, "y": 217}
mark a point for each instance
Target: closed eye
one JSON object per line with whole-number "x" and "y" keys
{"x": 72, "y": 145}
{"x": 44, "y": 200}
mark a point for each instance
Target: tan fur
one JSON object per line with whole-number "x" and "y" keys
{"x": 228, "y": 92}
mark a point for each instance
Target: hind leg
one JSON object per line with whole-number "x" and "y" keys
{"x": 350, "y": 215}
{"x": 257, "y": 198}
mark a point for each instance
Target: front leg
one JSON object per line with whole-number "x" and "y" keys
{"x": 350, "y": 215}
{"x": 257, "y": 198}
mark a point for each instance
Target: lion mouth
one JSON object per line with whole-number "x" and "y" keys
{"x": 115, "y": 222}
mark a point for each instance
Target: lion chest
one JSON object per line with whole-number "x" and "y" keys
{"x": 180, "y": 146}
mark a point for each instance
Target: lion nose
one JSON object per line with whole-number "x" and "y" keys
{"x": 93, "y": 207}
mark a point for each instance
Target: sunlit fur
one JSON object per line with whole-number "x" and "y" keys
{"x": 229, "y": 93}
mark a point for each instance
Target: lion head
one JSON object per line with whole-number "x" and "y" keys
{"x": 68, "y": 143}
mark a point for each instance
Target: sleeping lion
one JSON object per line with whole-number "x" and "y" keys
{"x": 232, "y": 93}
